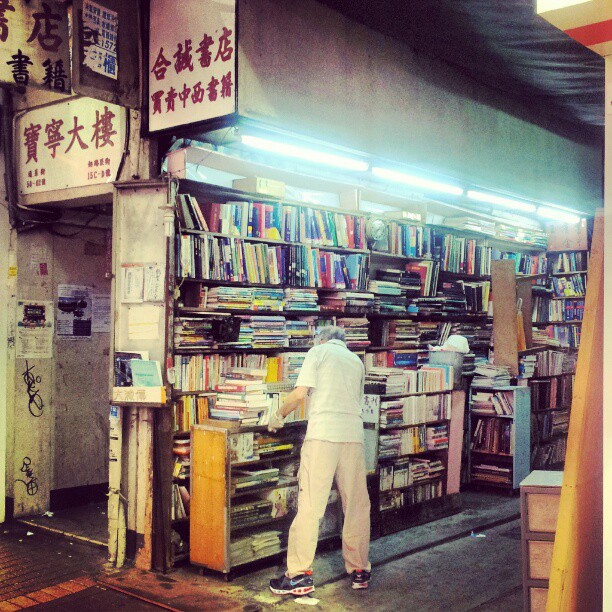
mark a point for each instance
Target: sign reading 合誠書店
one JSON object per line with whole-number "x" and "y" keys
{"x": 34, "y": 44}
{"x": 192, "y": 61}
{"x": 69, "y": 144}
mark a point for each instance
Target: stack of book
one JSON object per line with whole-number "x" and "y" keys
{"x": 487, "y": 472}
{"x": 389, "y": 296}
{"x": 437, "y": 437}
{"x": 193, "y": 332}
{"x": 452, "y": 297}
{"x": 386, "y": 381}
{"x": 429, "y": 333}
{"x": 266, "y": 446}
{"x": 423, "y": 469}
{"x": 179, "y": 509}
{"x": 356, "y": 331}
{"x": 250, "y": 513}
{"x": 300, "y": 333}
{"x": 255, "y": 546}
{"x": 241, "y": 396}
{"x": 428, "y": 272}
{"x": 391, "y": 413}
{"x": 347, "y": 302}
{"x": 244, "y": 480}
{"x": 486, "y": 403}
{"x": 400, "y": 333}
{"x": 234, "y": 298}
{"x": 268, "y": 299}
{"x": 268, "y": 332}
{"x": 489, "y": 375}
{"x": 301, "y": 299}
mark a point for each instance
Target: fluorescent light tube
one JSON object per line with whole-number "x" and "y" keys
{"x": 415, "y": 181}
{"x": 310, "y": 155}
{"x": 557, "y": 215}
{"x": 491, "y": 198}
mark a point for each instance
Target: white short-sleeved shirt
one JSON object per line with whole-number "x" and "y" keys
{"x": 336, "y": 377}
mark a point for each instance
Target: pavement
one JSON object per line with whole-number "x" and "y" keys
{"x": 436, "y": 566}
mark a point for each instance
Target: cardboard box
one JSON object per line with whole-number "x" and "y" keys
{"x": 257, "y": 184}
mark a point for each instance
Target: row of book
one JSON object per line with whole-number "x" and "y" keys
{"x": 412, "y": 440}
{"x": 415, "y": 410}
{"x": 553, "y": 424}
{"x": 575, "y": 261}
{"x": 549, "y": 455}
{"x": 191, "y": 410}
{"x": 552, "y": 394}
{"x": 493, "y": 436}
{"x": 406, "y": 472}
{"x": 290, "y": 223}
{"x": 179, "y": 506}
{"x": 558, "y": 335}
{"x": 420, "y": 492}
{"x": 546, "y": 363}
{"x": 569, "y": 286}
{"x": 498, "y": 403}
{"x": 546, "y": 310}
{"x": 234, "y": 260}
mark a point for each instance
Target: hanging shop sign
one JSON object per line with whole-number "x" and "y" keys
{"x": 192, "y": 62}
{"x": 34, "y": 44}
{"x": 70, "y": 144}
{"x": 105, "y": 51}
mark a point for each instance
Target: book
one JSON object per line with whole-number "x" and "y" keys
{"x": 146, "y": 373}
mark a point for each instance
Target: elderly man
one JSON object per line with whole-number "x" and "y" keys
{"x": 333, "y": 377}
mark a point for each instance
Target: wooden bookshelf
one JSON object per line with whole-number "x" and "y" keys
{"x": 484, "y": 431}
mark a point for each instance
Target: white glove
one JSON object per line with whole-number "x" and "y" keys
{"x": 276, "y": 421}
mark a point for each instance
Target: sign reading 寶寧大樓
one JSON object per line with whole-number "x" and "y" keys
{"x": 69, "y": 144}
{"x": 34, "y": 44}
{"x": 192, "y": 61}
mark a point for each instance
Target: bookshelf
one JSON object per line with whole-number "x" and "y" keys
{"x": 499, "y": 436}
{"x": 245, "y": 259}
{"x": 244, "y": 494}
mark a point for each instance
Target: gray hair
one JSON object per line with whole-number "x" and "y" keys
{"x": 331, "y": 332}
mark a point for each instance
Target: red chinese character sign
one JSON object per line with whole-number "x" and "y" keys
{"x": 34, "y": 44}
{"x": 69, "y": 144}
{"x": 192, "y": 62}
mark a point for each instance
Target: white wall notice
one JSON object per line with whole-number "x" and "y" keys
{"x": 101, "y": 314}
{"x": 74, "y": 307}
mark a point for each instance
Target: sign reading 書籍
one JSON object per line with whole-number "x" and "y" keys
{"x": 34, "y": 44}
{"x": 69, "y": 144}
{"x": 192, "y": 61}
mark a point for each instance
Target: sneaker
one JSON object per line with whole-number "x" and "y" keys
{"x": 361, "y": 579}
{"x": 298, "y": 585}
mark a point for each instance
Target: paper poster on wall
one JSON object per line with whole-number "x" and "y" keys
{"x": 100, "y": 29}
{"x": 40, "y": 256}
{"x": 143, "y": 322}
{"x": 132, "y": 283}
{"x": 34, "y": 329}
{"x": 74, "y": 307}
{"x": 101, "y": 314}
{"x": 153, "y": 283}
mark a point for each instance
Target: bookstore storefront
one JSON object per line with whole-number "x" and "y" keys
{"x": 269, "y": 231}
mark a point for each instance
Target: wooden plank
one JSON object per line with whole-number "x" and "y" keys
{"x": 209, "y": 511}
{"x": 505, "y": 337}
{"x": 524, "y": 292}
{"x": 577, "y": 565}
{"x": 455, "y": 442}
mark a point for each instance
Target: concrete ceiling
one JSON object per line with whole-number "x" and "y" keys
{"x": 500, "y": 43}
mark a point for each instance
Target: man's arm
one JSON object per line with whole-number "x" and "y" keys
{"x": 293, "y": 400}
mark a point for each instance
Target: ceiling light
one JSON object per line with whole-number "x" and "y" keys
{"x": 415, "y": 181}
{"x": 491, "y": 198}
{"x": 310, "y": 155}
{"x": 557, "y": 215}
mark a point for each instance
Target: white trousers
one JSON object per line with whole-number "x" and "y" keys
{"x": 320, "y": 462}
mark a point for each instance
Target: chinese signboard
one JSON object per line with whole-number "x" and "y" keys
{"x": 69, "y": 144}
{"x": 34, "y": 45}
{"x": 100, "y": 26}
{"x": 192, "y": 61}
